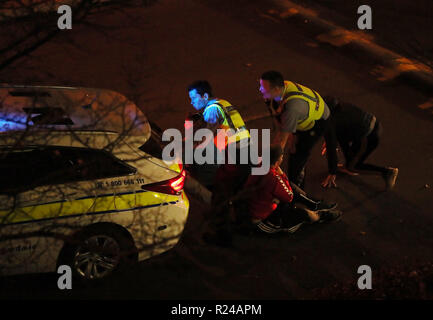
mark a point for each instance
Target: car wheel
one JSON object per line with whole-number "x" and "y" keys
{"x": 98, "y": 252}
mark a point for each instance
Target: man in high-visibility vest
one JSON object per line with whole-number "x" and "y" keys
{"x": 297, "y": 110}
{"x": 220, "y": 114}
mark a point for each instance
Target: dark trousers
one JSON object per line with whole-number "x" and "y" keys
{"x": 224, "y": 188}
{"x": 287, "y": 215}
{"x": 206, "y": 173}
{"x": 300, "y": 196}
{"x": 306, "y": 141}
{"x": 355, "y": 150}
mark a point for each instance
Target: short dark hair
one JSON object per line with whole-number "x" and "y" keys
{"x": 275, "y": 78}
{"x": 275, "y": 153}
{"x": 333, "y": 103}
{"x": 202, "y": 87}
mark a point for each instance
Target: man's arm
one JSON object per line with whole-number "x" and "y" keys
{"x": 282, "y": 190}
{"x": 331, "y": 154}
{"x": 294, "y": 111}
{"x": 273, "y": 114}
{"x": 212, "y": 120}
{"x": 287, "y": 138}
{"x": 213, "y": 127}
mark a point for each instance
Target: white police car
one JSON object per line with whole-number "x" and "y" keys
{"x": 82, "y": 183}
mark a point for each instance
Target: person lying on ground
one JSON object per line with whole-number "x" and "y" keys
{"x": 271, "y": 204}
{"x": 231, "y": 198}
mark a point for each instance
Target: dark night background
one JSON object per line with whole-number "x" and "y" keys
{"x": 151, "y": 50}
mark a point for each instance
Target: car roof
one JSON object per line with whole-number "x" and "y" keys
{"x": 89, "y": 110}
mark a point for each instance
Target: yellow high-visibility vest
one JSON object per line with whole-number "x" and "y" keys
{"x": 232, "y": 120}
{"x": 316, "y": 105}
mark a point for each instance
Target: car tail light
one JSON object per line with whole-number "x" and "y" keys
{"x": 171, "y": 186}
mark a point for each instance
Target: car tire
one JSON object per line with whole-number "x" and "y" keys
{"x": 98, "y": 252}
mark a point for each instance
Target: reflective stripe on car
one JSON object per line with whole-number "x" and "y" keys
{"x": 89, "y": 205}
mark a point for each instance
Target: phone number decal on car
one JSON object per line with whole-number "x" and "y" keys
{"x": 116, "y": 183}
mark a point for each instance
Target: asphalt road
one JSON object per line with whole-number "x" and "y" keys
{"x": 152, "y": 54}
{"x": 402, "y": 26}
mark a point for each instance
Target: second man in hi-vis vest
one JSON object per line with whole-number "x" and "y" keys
{"x": 299, "y": 111}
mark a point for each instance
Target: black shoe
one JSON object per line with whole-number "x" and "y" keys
{"x": 328, "y": 216}
{"x": 294, "y": 228}
{"x": 324, "y": 206}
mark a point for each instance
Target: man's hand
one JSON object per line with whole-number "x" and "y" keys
{"x": 329, "y": 181}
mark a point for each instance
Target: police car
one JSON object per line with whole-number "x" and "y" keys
{"x": 82, "y": 183}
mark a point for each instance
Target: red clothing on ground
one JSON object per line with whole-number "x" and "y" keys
{"x": 264, "y": 190}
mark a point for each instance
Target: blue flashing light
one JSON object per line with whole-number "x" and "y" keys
{"x": 8, "y": 123}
